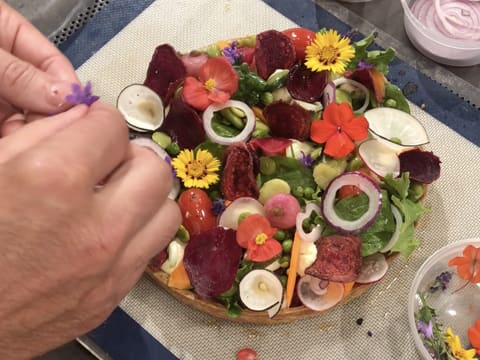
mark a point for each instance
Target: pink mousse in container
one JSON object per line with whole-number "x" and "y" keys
{"x": 447, "y": 31}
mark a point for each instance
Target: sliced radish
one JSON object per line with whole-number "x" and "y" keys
{"x": 157, "y": 149}
{"x": 261, "y": 290}
{"x": 307, "y": 255}
{"x": 141, "y": 107}
{"x": 242, "y": 205}
{"x": 397, "y": 129}
{"x": 374, "y": 267}
{"x": 332, "y": 296}
{"x": 379, "y": 158}
{"x": 329, "y": 95}
{"x": 364, "y": 183}
{"x": 397, "y": 215}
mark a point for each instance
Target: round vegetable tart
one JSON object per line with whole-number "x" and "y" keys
{"x": 297, "y": 167}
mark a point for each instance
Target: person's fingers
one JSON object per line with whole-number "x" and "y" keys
{"x": 24, "y": 136}
{"x": 152, "y": 238}
{"x": 25, "y": 86}
{"x": 23, "y": 40}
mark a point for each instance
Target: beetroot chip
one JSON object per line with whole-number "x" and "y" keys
{"x": 211, "y": 260}
{"x": 165, "y": 68}
{"x": 157, "y": 261}
{"x": 273, "y": 50}
{"x": 183, "y": 125}
{"x": 423, "y": 166}
{"x": 271, "y": 146}
{"x": 286, "y": 120}
{"x": 339, "y": 258}
{"x": 306, "y": 85}
{"x": 239, "y": 172}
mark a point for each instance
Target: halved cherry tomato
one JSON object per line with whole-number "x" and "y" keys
{"x": 247, "y": 354}
{"x": 301, "y": 38}
{"x": 347, "y": 191}
{"x": 195, "y": 206}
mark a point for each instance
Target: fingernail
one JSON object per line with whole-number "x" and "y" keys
{"x": 57, "y": 95}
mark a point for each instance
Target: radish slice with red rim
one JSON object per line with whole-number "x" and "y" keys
{"x": 223, "y": 140}
{"x": 261, "y": 290}
{"x": 397, "y": 215}
{"x": 242, "y": 205}
{"x": 380, "y": 159}
{"x": 397, "y": 129}
{"x": 332, "y": 296}
{"x": 141, "y": 107}
{"x": 157, "y": 149}
{"x": 365, "y": 184}
{"x": 374, "y": 267}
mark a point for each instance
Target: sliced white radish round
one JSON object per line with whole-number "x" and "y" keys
{"x": 332, "y": 296}
{"x": 364, "y": 183}
{"x": 397, "y": 129}
{"x": 374, "y": 267}
{"x": 242, "y": 205}
{"x": 379, "y": 158}
{"x": 260, "y": 290}
{"x": 157, "y": 149}
{"x": 141, "y": 107}
{"x": 397, "y": 215}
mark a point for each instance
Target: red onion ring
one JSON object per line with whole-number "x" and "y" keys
{"x": 456, "y": 19}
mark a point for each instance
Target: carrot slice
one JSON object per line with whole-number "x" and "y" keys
{"x": 378, "y": 82}
{"x": 348, "y": 287}
{"x": 292, "y": 270}
{"x": 258, "y": 113}
{"x": 179, "y": 279}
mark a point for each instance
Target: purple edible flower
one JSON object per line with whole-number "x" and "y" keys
{"x": 362, "y": 64}
{"x": 168, "y": 160}
{"x": 306, "y": 160}
{"x": 231, "y": 53}
{"x": 441, "y": 281}
{"x": 81, "y": 96}
{"x": 218, "y": 207}
{"x": 425, "y": 329}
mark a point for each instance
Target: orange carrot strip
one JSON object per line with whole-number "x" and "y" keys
{"x": 179, "y": 279}
{"x": 348, "y": 287}
{"x": 258, "y": 113}
{"x": 378, "y": 82}
{"x": 292, "y": 270}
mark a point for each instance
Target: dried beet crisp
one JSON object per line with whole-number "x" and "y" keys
{"x": 273, "y": 50}
{"x": 339, "y": 258}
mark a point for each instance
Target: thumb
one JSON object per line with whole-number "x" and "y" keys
{"x": 27, "y": 87}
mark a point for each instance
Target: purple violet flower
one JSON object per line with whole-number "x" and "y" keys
{"x": 81, "y": 95}
{"x": 306, "y": 159}
{"x": 168, "y": 160}
{"x": 425, "y": 329}
{"x": 231, "y": 53}
{"x": 441, "y": 281}
{"x": 218, "y": 207}
{"x": 362, "y": 64}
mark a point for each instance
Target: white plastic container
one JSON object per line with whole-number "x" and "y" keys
{"x": 435, "y": 45}
{"x": 457, "y": 310}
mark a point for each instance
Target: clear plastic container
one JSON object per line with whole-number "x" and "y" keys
{"x": 435, "y": 45}
{"x": 457, "y": 310}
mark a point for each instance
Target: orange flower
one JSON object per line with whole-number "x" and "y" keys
{"x": 217, "y": 82}
{"x": 339, "y": 128}
{"x": 256, "y": 235}
{"x": 468, "y": 265}
{"x": 474, "y": 336}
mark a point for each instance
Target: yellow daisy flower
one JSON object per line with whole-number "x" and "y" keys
{"x": 329, "y": 52}
{"x": 198, "y": 169}
{"x": 455, "y": 346}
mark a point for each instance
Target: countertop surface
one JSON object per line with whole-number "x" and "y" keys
{"x": 385, "y": 16}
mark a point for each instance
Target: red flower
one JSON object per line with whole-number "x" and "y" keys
{"x": 339, "y": 128}
{"x": 256, "y": 235}
{"x": 217, "y": 82}
{"x": 468, "y": 265}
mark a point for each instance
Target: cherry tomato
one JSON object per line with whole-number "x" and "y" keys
{"x": 301, "y": 38}
{"x": 195, "y": 206}
{"x": 347, "y": 191}
{"x": 247, "y": 354}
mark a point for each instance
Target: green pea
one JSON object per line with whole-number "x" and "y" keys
{"x": 355, "y": 164}
{"x": 298, "y": 192}
{"x": 280, "y": 235}
{"x": 284, "y": 261}
{"x": 267, "y": 98}
{"x": 308, "y": 192}
{"x": 287, "y": 246}
{"x": 173, "y": 149}
{"x": 283, "y": 280}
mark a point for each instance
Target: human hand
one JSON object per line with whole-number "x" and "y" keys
{"x": 69, "y": 250}
{"x": 34, "y": 76}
